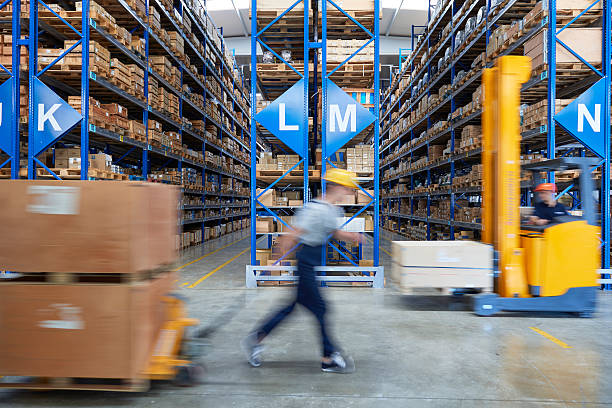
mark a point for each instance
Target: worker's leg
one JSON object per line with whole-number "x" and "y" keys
{"x": 274, "y": 320}
{"x": 313, "y": 301}
{"x": 309, "y": 294}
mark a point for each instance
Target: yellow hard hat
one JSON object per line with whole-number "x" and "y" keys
{"x": 342, "y": 177}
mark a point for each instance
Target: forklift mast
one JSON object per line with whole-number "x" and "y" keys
{"x": 501, "y": 220}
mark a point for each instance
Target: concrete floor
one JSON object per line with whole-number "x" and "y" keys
{"x": 416, "y": 351}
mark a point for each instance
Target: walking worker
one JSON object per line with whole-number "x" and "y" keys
{"x": 546, "y": 208}
{"x": 315, "y": 223}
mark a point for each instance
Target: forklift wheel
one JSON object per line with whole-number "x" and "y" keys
{"x": 189, "y": 375}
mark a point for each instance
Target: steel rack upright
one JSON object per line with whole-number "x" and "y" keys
{"x": 308, "y": 42}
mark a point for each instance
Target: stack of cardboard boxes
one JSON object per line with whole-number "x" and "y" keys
{"x": 59, "y": 235}
{"x": 471, "y": 137}
{"x": 282, "y": 162}
{"x": 535, "y": 115}
{"x": 360, "y": 159}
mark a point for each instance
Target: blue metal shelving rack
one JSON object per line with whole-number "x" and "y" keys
{"x": 9, "y": 141}
{"x": 135, "y": 153}
{"x": 310, "y": 88}
{"x": 546, "y": 81}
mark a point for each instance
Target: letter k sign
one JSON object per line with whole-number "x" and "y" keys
{"x": 284, "y": 118}
{"x": 53, "y": 117}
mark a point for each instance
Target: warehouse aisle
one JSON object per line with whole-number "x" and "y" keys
{"x": 419, "y": 351}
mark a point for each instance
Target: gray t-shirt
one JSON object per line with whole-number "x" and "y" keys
{"x": 317, "y": 220}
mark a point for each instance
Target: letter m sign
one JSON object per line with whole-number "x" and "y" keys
{"x": 345, "y": 118}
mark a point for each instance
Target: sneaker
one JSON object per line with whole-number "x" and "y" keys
{"x": 252, "y": 349}
{"x": 339, "y": 364}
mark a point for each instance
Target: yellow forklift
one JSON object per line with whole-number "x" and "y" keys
{"x": 550, "y": 268}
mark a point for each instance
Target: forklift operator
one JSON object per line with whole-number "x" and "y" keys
{"x": 546, "y": 208}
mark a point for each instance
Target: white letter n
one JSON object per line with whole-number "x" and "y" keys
{"x": 583, "y": 112}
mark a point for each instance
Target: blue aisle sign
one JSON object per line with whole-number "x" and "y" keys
{"x": 583, "y": 118}
{"x": 6, "y": 116}
{"x": 346, "y": 118}
{"x": 53, "y": 117}
{"x": 285, "y": 117}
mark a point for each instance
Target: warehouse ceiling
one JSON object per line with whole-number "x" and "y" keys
{"x": 398, "y": 16}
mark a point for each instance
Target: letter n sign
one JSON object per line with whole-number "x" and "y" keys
{"x": 583, "y": 118}
{"x": 52, "y": 115}
{"x": 346, "y": 118}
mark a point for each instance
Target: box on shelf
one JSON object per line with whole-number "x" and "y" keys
{"x": 265, "y": 225}
{"x": 586, "y": 39}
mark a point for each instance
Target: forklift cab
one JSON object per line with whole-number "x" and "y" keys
{"x": 584, "y": 165}
{"x": 546, "y": 244}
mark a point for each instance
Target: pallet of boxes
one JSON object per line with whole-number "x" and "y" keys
{"x": 443, "y": 265}
{"x": 86, "y": 301}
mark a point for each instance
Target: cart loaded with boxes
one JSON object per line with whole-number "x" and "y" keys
{"x": 87, "y": 304}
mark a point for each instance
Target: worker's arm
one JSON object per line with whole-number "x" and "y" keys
{"x": 348, "y": 236}
{"x": 288, "y": 241}
{"x": 534, "y": 219}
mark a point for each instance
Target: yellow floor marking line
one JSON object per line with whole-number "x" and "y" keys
{"x": 184, "y": 283}
{"x": 551, "y": 338}
{"x": 217, "y": 269}
{"x": 208, "y": 254}
{"x": 385, "y": 251}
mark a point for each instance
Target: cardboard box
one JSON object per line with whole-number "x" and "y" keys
{"x": 87, "y": 226}
{"x": 74, "y": 163}
{"x": 85, "y": 330}
{"x": 61, "y": 163}
{"x": 356, "y": 224}
{"x": 296, "y": 203}
{"x": 264, "y": 225}
{"x": 363, "y": 198}
{"x": 347, "y": 200}
{"x": 100, "y": 161}
{"x": 263, "y": 255}
{"x": 67, "y": 153}
{"x": 442, "y": 264}
{"x": 268, "y": 198}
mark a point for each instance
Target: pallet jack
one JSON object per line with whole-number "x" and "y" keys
{"x": 550, "y": 268}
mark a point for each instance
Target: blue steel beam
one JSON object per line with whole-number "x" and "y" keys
{"x": 85, "y": 90}
{"x": 33, "y": 63}
{"x": 376, "y": 197}
{"x": 16, "y": 60}
{"x": 605, "y": 174}
{"x": 254, "y": 36}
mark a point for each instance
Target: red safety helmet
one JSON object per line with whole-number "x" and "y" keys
{"x": 546, "y": 187}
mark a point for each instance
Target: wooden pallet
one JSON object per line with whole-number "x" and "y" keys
{"x": 90, "y": 384}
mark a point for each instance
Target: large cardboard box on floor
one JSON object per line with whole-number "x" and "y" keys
{"x": 87, "y": 226}
{"x": 442, "y": 264}
{"x": 81, "y": 330}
